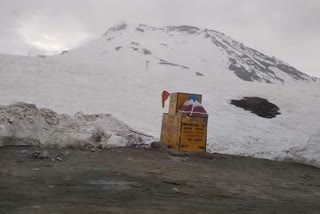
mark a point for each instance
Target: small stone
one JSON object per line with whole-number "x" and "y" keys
{"x": 24, "y": 151}
{"x": 41, "y": 155}
{"x": 176, "y": 190}
{"x": 65, "y": 153}
{"x": 35, "y": 169}
{"x": 171, "y": 182}
{"x": 36, "y": 154}
{"x": 44, "y": 155}
{"x": 58, "y": 159}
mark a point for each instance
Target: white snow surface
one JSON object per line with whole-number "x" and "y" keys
{"x": 96, "y": 78}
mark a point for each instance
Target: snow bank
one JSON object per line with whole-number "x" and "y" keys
{"x": 308, "y": 154}
{"x": 25, "y": 124}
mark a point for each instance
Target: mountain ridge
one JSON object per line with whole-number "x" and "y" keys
{"x": 246, "y": 63}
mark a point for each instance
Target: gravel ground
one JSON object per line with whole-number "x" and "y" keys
{"x": 126, "y": 180}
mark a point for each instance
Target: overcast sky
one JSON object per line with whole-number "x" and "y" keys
{"x": 287, "y": 29}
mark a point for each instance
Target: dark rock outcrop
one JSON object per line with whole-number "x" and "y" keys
{"x": 259, "y": 106}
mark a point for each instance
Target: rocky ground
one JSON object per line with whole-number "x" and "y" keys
{"x": 126, "y": 180}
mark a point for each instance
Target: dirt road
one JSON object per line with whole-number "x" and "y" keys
{"x": 124, "y": 180}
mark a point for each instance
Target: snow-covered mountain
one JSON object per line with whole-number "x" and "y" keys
{"x": 191, "y": 48}
{"x": 125, "y": 70}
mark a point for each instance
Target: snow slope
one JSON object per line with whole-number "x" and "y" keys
{"x": 125, "y": 71}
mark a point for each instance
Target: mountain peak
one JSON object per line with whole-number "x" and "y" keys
{"x": 183, "y": 46}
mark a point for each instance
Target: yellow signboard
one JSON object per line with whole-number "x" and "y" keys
{"x": 193, "y": 134}
{"x": 184, "y": 133}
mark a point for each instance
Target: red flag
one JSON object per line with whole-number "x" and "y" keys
{"x": 165, "y": 96}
